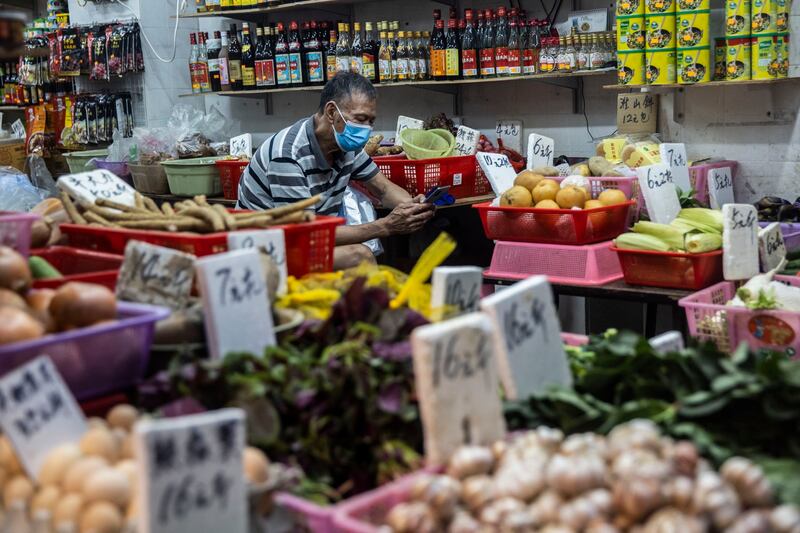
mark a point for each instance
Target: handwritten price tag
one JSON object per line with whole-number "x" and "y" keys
{"x": 467, "y": 141}
{"x": 739, "y": 241}
{"x": 510, "y": 131}
{"x": 403, "y": 123}
{"x": 155, "y": 275}
{"x": 38, "y": 412}
{"x": 455, "y": 290}
{"x": 498, "y": 171}
{"x": 242, "y": 146}
{"x": 771, "y": 246}
{"x": 674, "y": 155}
{"x": 720, "y": 187}
{"x": 238, "y": 317}
{"x": 637, "y": 112}
{"x": 18, "y": 129}
{"x": 659, "y": 191}
{"x": 456, "y": 381}
{"x": 530, "y": 353}
{"x": 269, "y": 241}
{"x": 190, "y": 473}
{"x": 540, "y": 151}
{"x": 89, "y": 186}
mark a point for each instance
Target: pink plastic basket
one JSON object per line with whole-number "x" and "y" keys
{"x": 97, "y": 360}
{"x": 366, "y": 513}
{"x": 574, "y": 339}
{"x": 698, "y": 177}
{"x": 791, "y": 234}
{"x": 306, "y": 515}
{"x": 710, "y": 319}
{"x": 630, "y": 186}
{"x": 15, "y": 230}
{"x": 590, "y": 264}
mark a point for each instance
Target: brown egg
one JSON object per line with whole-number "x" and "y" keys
{"x": 81, "y": 470}
{"x": 128, "y": 467}
{"x": 45, "y": 499}
{"x": 99, "y": 441}
{"x": 133, "y": 510}
{"x": 96, "y": 422}
{"x": 127, "y": 451}
{"x": 108, "y": 484}
{"x": 256, "y": 465}
{"x": 8, "y": 457}
{"x": 57, "y": 463}
{"x": 19, "y": 488}
{"x": 68, "y": 509}
{"x": 122, "y": 416}
{"x": 101, "y": 517}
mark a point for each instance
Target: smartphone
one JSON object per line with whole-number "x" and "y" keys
{"x": 435, "y": 194}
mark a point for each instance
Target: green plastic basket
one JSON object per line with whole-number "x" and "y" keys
{"x": 424, "y": 144}
{"x": 191, "y": 177}
{"x": 447, "y": 136}
{"x": 79, "y": 161}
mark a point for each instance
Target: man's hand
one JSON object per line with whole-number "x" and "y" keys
{"x": 408, "y": 217}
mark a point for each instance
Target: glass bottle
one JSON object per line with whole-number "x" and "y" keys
{"x": 582, "y": 62}
{"x": 385, "y": 72}
{"x": 235, "y": 59}
{"x": 530, "y": 53}
{"x": 296, "y": 67}
{"x": 314, "y": 61}
{"x": 411, "y": 56}
{"x": 501, "y": 43}
{"x": 369, "y": 55}
{"x": 356, "y": 61}
{"x": 546, "y": 58}
{"x": 248, "y": 59}
{"x": 214, "y": 48}
{"x": 439, "y": 52}
{"x": 452, "y": 51}
{"x": 487, "y": 64}
{"x": 596, "y": 60}
{"x": 330, "y": 56}
{"x": 571, "y": 53}
{"x": 268, "y": 59}
{"x": 343, "y": 50}
{"x": 390, "y": 37}
{"x": 424, "y": 64}
{"x": 222, "y": 59}
{"x": 514, "y": 54}
{"x": 469, "y": 51}
{"x": 282, "y": 73}
{"x": 194, "y": 64}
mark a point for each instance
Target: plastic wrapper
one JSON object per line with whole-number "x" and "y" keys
{"x": 197, "y": 130}
{"x": 121, "y": 149}
{"x": 17, "y": 193}
{"x": 154, "y": 145}
{"x": 39, "y": 176}
{"x": 358, "y": 209}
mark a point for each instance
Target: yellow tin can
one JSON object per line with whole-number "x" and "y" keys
{"x": 631, "y": 33}
{"x": 693, "y": 29}
{"x": 737, "y": 18}
{"x": 782, "y": 53}
{"x": 782, "y": 10}
{"x": 630, "y": 68}
{"x": 764, "y": 57}
{"x": 693, "y": 5}
{"x": 720, "y": 51}
{"x": 694, "y": 65}
{"x": 659, "y": 67}
{"x": 737, "y": 59}
{"x": 659, "y": 7}
{"x": 763, "y": 17}
{"x": 660, "y": 32}
{"x": 626, "y": 8}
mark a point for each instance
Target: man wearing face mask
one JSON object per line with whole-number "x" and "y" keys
{"x": 320, "y": 155}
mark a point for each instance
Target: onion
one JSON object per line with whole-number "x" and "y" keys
{"x": 16, "y": 325}
{"x": 14, "y": 271}
{"x": 76, "y": 305}
{"x": 11, "y": 298}
{"x": 39, "y": 306}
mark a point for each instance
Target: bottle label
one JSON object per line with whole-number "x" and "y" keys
{"x": 342, "y": 64}
{"x": 268, "y": 72}
{"x": 401, "y": 69}
{"x": 385, "y": 69}
{"x": 422, "y": 68}
{"x": 259, "y": 69}
{"x": 438, "y": 63}
{"x": 248, "y": 76}
{"x": 330, "y": 67}
{"x": 282, "y": 69}
{"x": 294, "y": 68}
{"x": 224, "y": 76}
{"x": 368, "y": 65}
{"x": 213, "y": 65}
{"x": 235, "y": 70}
{"x": 487, "y": 62}
{"x": 514, "y": 61}
{"x": 501, "y": 59}
{"x": 194, "y": 75}
{"x": 314, "y": 67}
{"x": 357, "y": 64}
{"x": 469, "y": 63}
{"x": 528, "y": 62}
{"x": 413, "y": 69}
{"x": 451, "y": 58}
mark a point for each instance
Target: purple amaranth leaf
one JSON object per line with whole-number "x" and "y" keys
{"x": 390, "y": 398}
{"x": 182, "y": 407}
{"x": 392, "y": 351}
{"x": 304, "y": 398}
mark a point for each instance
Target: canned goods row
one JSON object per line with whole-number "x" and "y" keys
{"x": 627, "y": 8}
{"x": 756, "y": 17}
{"x": 762, "y": 57}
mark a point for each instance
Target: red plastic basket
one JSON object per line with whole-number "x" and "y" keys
{"x": 230, "y": 172}
{"x": 670, "y": 270}
{"x": 309, "y": 246}
{"x": 15, "y": 230}
{"x": 555, "y": 226}
{"x": 462, "y": 173}
{"x": 710, "y": 319}
{"x": 79, "y": 265}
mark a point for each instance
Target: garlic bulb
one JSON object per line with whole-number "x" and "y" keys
{"x": 574, "y": 474}
{"x": 716, "y": 499}
{"x": 470, "y": 461}
{"x": 785, "y": 519}
{"x": 749, "y": 481}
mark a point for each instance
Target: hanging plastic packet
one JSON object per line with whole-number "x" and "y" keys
{"x": 98, "y": 46}
{"x": 91, "y": 121}
{"x": 139, "y": 51}
{"x": 79, "y": 125}
{"x": 116, "y": 55}
{"x": 54, "y": 65}
{"x": 70, "y": 51}
{"x": 100, "y": 119}
{"x": 128, "y": 114}
{"x": 86, "y": 64}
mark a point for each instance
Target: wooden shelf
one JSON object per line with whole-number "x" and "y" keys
{"x": 253, "y": 11}
{"x": 721, "y": 83}
{"x": 430, "y": 84}
{"x": 18, "y": 108}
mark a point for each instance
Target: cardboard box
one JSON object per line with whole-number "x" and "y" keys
{"x": 12, "y": 153}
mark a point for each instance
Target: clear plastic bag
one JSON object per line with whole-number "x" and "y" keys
{"x": 197, "y": 130}
{"x": 154, "y": 145}
{"x": 357, "y": 209}
{"x": 40, "y": 177}
{"x": 17, "y": 193}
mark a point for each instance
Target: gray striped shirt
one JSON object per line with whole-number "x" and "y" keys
{"x": 290, "y": 166}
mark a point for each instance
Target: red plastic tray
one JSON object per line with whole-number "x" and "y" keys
{"x": 230, "y": 173}
{"x": 309, "y": 246}
{"x": 670, "y": 270}
{"x": 554, "y": 226}
{"x": 462, "y": 173}
{"x": 79, "y": 265}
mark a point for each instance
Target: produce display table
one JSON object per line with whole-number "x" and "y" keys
{"x": 651, "y": 297}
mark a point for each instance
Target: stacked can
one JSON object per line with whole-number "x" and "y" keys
{"x": 737, "y": 39}
{"x": 694, "y": 41}
{"x": 720, "y": 51}
{"x": 631, "y": 36}
{"x": 764, "y": 39}
{"x": 781, "y": 41}
{"x": 660, "y": 42}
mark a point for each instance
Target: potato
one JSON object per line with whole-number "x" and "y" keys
{"x": 546, "y": 171}
{"x": 599, "y": 165}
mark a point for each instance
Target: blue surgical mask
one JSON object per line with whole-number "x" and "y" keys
{"x": 354, "y": 137}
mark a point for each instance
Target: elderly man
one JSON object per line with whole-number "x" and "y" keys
{"x": 320, "y": 155}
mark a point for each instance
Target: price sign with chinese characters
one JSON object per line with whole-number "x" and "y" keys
{"x": 455, "y": 290}
{"x": 89, "y": 186}
{"x": 456, "y": 382}
{"x": 670, "y": 341}
{"x": 404, "y": 123}
{"x": 720, "y": 187}
{"x": 637, "y": 112}
{"x": 242, "y": 146}
{"x": 467, "y": 141}
{"x": 659, "y": 191}
{"x": 540, "y": 151}
{"x": 155, "y": 275}
{"x": 739, "y": 241}
{"x": 530, "y": 353}
{"x": 18, "y": 129}
{"x": 510, "y": 131}
{"x": 771, "y": 246}
{"x": 674, "y": 155}
{"x": 38, "y": 412}
{"x": 190, "y": 473}
{"x": 269, "y": 241}
{"x": 498, "y": 171}
{"x": 237, "y": 311}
